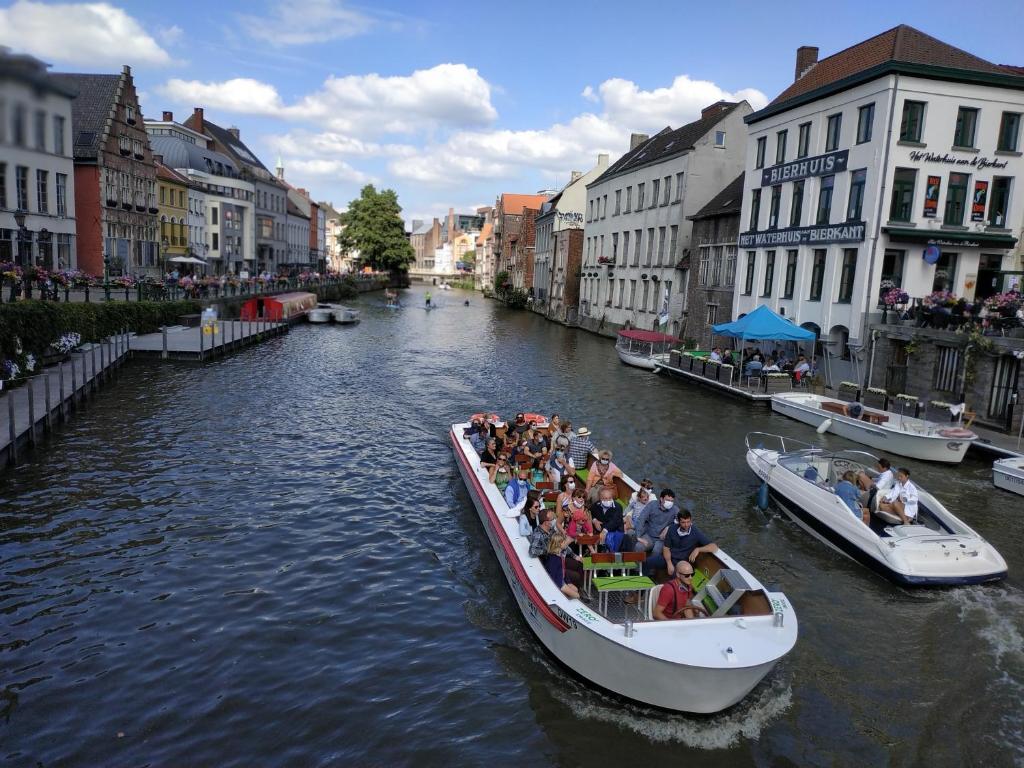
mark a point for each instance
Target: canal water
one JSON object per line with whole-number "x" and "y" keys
{"x": 271, "y": 559}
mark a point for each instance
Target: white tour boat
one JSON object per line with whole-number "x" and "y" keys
{"x": 701, "y": 665}
{"x": 333, "y": 313}
{"x": 884, "y": 430}
{"x": 937, "y": 550}
{"x": 644, "y": 349}
{"x": 1008, "y": 474}
{"x": 321, "y": 313}
{"x": 345, "y": 315}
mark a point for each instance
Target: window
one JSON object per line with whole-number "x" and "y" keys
{"x": 716, "y": 265}
{"x": 667, "y": 191}
{"x": 622, "y": 291}
{"x": 748, "y": 283}
{"x": 661, "y": 246}
{"x": 945, "y": 272}
{"x": 719, "y": 138}
{"x": 773, "y": 211}
{"x": 625, "y": 247}
{"x": 769, "y": 273}
{"x": 655, "y": 188}
{"x": 912, "y": 122}
{"x": 966, "y": 125}
{"x": 647, "y": 294}
{"x": 3, "y": 185}
{"x": 947, "y": 368}
{"x": 817, "y": 274}
{"x": 40, "y": 130}
{"x": 780, "y": 146}
{"x": 712, "y": 314}
{"x": 847, "y": 274}
{"x": 803, "y": 144}
{"x": 590, "y": 210}
{"x": 865, "y": 122}
{"x": 672, "y": 242}
{"x": 58, "y": 134}
{"x": 956, "y": 197}
{"x": 730, "y": 265}
{"x": 998, "y": 201}
{"x": 755, "y": 208}
{"x": 213, "y": 214}
{"x": 42, "y": 191}
{"x": 632, "y": 294}
{"x": 21, "y": 187}
{"x": 1009, "y": 132}
{"x": 3, "y": 121}
{"x": 902, "y": 194}
{"x": 640, "y": 196}
{"x": 618, "y": 202}
{"x": 835, "y": 127}
{"x": 163, "y": 195}
{"x": 18, "y": 128}
{"x": 855, "y": 206}
{"x": 129, "y": 113}
{"x": 615, "y": 246}
{"x": 892, "y": 267}
{"x": 637, "y": 233}
{"x": 650, "y": 248}
{"x": 762, "y": 143}
{"x": 679, "y": 187}
{"x": 796, "y": 209}
{"x": 825, "y": 199}
{"x": 629, "y": 199}
{"x": 604, "y": 206}
{"x": 705, "y": 266}
{"x": 787, "y": 289}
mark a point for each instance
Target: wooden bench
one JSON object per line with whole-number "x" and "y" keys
{"x": 834, "y": 408}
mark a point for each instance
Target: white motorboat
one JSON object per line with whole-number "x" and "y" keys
{"x": 345, "y": 315}
{"x": 938, "y": 549}
{"x": 1008, "y": 474}
{"x": 321, "y": 313}
{"x": 703, "y": 665}
{"x": 884, "y": 430}
{"x": 644, "y": 349}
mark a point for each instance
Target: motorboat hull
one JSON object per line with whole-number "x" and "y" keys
{"x": 318, "y": 315}
{"x": 927, "y": 447}
{"x": 647, "y": 362}
{"x": 581, "y": 640}
{"x": 345, "y": 316}
{"x": 1008, "y": 474}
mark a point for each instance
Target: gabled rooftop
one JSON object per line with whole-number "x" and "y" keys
{"x": 513, "y": 204}
{"x": 90, "y": 109}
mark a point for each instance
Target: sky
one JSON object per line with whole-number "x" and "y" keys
{"x": 450, "y": 104}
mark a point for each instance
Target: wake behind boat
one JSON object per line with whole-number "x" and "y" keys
{"x": 644, "y": 349}
{"x": 885, "y": 430}
{"x": 937, "y": 549}
{"x": 703, "y": 665}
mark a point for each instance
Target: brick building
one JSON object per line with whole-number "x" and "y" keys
{"x": 508, "y": 214}
{"x": 521, "y": 247}
{"x": 563, "y": 304}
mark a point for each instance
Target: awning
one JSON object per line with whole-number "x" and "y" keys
{"x": 762, "y": 324}
{"x": 952, "y": 239}
{"x": 652, "y": 337}
{"x": 187, "y": 260}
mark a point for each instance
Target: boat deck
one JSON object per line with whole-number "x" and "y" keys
{"x": 748, "y": 394}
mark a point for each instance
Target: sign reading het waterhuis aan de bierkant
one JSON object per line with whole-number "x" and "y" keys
{"x": 979, "y": 200}
{"x": 848, "y": 232}
{"x": 931, "y": 196}
{"x": 820, "y": 165}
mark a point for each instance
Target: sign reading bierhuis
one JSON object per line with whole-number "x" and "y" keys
{"x": 822, "y": 234}
{"x": 820, "y": 165}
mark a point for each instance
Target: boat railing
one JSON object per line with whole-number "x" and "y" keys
{"x": 772, "y": 442}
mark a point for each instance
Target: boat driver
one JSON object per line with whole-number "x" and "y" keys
{"x": 901, "y": 498}
{"x": 882, "y": 481}
{"x": 675, "y": 596}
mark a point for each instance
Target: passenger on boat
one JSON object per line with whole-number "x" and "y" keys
{"x": 847, "y": 491}
{"x": 479, "y": 440}
{"x": 607, "y": 518}
{"x": 517, "y": 488}
{"x": 558, "y": 467}
{"x": 602, "y": 475}
{"x": 489, "y": 457}
{"x": 555, "y": 421}
{"x": 580, "y": 447}
{"x": 640, "y": 499}
{"x": 520, "y": 426}
{"x": 901, "y": 498}
{"x": 541, "y": 536}
{"x": 650, "y": 528}
{"x": 501, "y": 474}
{"x": 537, "y": 442}
{"x": 563, "y": 436}
{"x": 556, "y": 564}
{"x": 529, "y": 520}
{"x": 683, "y": 542}
{"x": 579, "y": 521}
{"x": 566, "y": 486}
{"x": 871, "y": 486}
{"x": 647, "y": 485}
{"x": 675, "y": 597}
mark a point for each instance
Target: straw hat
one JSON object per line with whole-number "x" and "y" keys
{"x": 583, "y": 432}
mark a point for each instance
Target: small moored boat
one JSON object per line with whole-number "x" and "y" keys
{"x": 644, "y": 349}
{"x": 703, "y": 665}
{"x": 884, "y": 430}
{"x": 321, "y": 313}
{"x": 345, "y": 315}
{"x": 938, "y": 549}
{"x": 1008, "y": 474}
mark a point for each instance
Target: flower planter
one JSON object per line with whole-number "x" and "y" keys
{"x": 52, "y": 357}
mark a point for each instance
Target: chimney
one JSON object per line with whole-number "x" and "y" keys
{"x": 711, "y": 109}
{"x": 197, "y": 120}
{"x": 158, "y": 159}
{"x": 806, "y": 57}
{"x": 602, "y": 159}
{"x": 574, "y": 175}
{"x": 636, "y": 139}
{"x": 168, "y": 116}
{"x": 233, "y": 130}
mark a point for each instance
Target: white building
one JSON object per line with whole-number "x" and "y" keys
{"x": 635, "y": 226}
{"x": 37, "y": 173}
{"x": 896, "y": 159}
{"x": 198, "y": 243}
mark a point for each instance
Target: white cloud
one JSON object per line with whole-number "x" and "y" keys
{"x": 301, "y": 22}
{"x": 321, "y": 169}
{"x": 91, "y": 34}
{"x": 447, "y": 95}
{"x": 170, "y": 35}
{"x": 304, "y": 143}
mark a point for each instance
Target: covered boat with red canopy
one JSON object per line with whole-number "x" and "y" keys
{"x": 644, "y": 349}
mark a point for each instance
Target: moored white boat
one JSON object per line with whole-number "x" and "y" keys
{"x": 884, "y": 430}
{"x": 321, "y": 313}
{"x": 1008, "y": 474}
{"x": 643, "y": 349}
{"x": 938, "y": 550}
{"x": 345, "y": 315}
{"x": 703, "y": 665}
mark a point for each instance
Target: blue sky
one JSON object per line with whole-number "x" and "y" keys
{"x": 452, "y": 103}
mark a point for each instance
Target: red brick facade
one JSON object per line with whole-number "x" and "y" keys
{"x": 89, "y": 219}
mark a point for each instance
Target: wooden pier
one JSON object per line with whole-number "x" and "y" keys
{"x": 49, "y": 397}
{"x": 181, "y": 342}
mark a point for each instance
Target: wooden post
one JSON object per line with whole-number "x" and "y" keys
{"x": 103, "y": 361}
{"x": 60, "y": 388}
{"x": 32, "y": 412}
{"x": 95, "y": 373}
{"x": 47, "y": 423}
{"x": 200, "y": 341}
{"x": 12, "y": 456}
{"x": 163, "y": 331}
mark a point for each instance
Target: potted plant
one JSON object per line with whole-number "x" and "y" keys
{"x": 876, "y": 397}
{"x": 894, "y": 299}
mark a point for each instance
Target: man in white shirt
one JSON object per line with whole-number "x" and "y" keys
{"x": 902, "y": 498}
{"x": 879, "y": 484}
{"x": 716, "y": 355}
{"x": 802, "y": 366}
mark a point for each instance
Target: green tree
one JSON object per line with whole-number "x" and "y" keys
{"x": 373, "y": 226}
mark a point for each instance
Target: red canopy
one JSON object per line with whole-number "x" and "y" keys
{"x": 652, "y": 337}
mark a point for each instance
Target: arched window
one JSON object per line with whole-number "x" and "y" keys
{"x": 839, "y": 342}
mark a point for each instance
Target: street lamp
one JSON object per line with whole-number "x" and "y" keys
{"x": 106, "y": 271}
{"x": 24, "y": 240}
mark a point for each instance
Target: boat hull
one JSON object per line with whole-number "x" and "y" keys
{"x": 916, "y": 446}
{"x": 647, "y": 362}
{"x": 319, "y": 315}
{"x": 1008, "y": 474}
{"x": 575, "y": 641}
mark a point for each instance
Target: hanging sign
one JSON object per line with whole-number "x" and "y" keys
{"x": 979, "y": 200}
{"x": 931, "y": 197}
{"x": 932, "y": 253}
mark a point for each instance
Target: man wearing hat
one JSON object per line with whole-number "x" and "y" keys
{"x": 580, "y": 448}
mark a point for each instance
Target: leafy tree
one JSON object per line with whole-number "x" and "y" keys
{"x": 469, "y": 257}
{"x": 373, "y": 226}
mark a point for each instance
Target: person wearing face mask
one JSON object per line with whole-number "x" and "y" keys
{"x": 558, "y": 467}
{"x": 517, "y": 488}
{"x": 602, "y": 475}
{"x": 607, "y": 516}
{"x": 640, "y": 499}
{"x": 530, "y": 519}
{"x": 651, "y": 525}
{"x": 501, "y": 475}
{"x": 683, "y": 543}
{"x": 566, "y": 487}
{"x": 579, "y": 521}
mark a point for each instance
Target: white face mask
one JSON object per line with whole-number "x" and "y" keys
{"x": 607, "y": 503}
{"x": 666, "y": 504}
{"x": 578, "y": 503}
{"x": 570, "y": 486}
